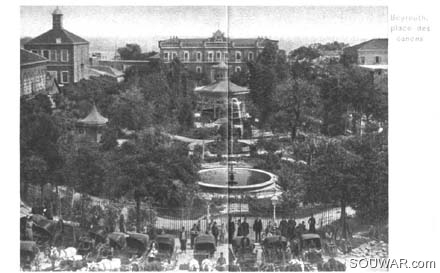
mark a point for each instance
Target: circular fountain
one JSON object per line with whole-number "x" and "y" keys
{"x": 236, "y": 181}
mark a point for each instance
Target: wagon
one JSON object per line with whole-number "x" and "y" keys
{"x": 28, "y": 252}
{"x": 243, "y": 249}
{"x": 137, "y": 243}
{"x": 274, "y": 250}
{"x": 310, "y": 248}
{"x": 166, "y": 248}
{"x": 204, "y": 247}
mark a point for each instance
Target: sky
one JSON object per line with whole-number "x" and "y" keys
{"x": 292, "y": 25}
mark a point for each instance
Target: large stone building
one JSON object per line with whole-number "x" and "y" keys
{"x": 67, "y": 53}
{"x": 200, "y": 54}
{"x": 371, "y": 52}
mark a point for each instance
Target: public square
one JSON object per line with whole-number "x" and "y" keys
{"x": 201, "y": 151}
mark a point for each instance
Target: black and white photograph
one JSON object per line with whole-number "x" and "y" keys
{"x": 208, "y": 138}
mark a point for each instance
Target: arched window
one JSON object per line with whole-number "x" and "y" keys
{"x": 238, "y": 56}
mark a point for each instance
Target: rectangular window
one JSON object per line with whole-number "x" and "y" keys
{"x": 362, "y": 60}
{"x": 64, "y": 55}
{"x": 186, "y": 56}
{"x": 199, "y": 56}
{"x": 64, "y": 76}
{"x": 251, "y": 56}
{"x": 45, "y": 53}
{"x": 174, "y": 55}
{"x": 377, "y": 60}
{"x": 53, "y": 55}
{"x": 210, "y": 57}
{"x": 166, "y": 56}
{"x": 218, "y": 56}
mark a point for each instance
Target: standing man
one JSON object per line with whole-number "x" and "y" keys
{"x": 122, "y": 224}
{"x": 255, "y": 229}
{"x": 231, "y": 230}
{"x": 183, "y": 236}
{"x": 260, "y": 229}
{"x": 215, "y": 232}
{"x": 312, "y": 223}
{"x": 283, "y": 227}
{"x": 239, "y": 228}
{"x": 291, "y": 224}
{"x": 222, "y": 233}
{"x": 193, "y": 233}
{"x": 245, "y": 227}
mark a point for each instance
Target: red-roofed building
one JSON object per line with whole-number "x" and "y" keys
{"x": 200, "y": 54}
{"x": 67, "y": 53}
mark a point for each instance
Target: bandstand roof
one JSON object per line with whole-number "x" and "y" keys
{"x": 94, "y": 118}
{"x": 222, "y": 88}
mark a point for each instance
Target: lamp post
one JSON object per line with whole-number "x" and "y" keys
{"x": 208, "y": 215}
{"x": 274, "y": 200}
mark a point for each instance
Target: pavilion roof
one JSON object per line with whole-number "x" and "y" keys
{"x": 222, "y": 87}
{"x": 94, "y": 118}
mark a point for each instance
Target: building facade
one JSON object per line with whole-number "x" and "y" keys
{"x": 200, "y": 54}
{"x": 373, "y": 52}
{"x": 67, "y": 53}
{"x": 33, "y": 69}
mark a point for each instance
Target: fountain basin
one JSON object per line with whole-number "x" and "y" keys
{"x": 246, "y": 179}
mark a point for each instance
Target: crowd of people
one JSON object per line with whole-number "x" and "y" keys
{"x": 287, "y": 228}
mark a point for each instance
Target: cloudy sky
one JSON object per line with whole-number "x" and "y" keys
{"x": 289, "y": 24}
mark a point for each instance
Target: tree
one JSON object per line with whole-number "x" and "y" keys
{"x": 240, "y": 78}
{"x": 130, "y": 52}
{"x": 186, "y": 115}
{"x": 33, "y": 170}
{"x": 154, "y": 168}
{"x": 262, "y": 84}
{"x": 38, "y": 136}
{"x": 262, "y": 81}
{"x": 350, "y": 92}
{"x": 334, "y": 178}
{"x": 297, "y": 101}
{"x": 281, "y": 66}
{"x": 302, "y": 63}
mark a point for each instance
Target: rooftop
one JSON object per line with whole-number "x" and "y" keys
{"x": 51, "y": 36}
{"x": 373, "y": 44}
{"x": 94, "y": 118}
{"x": 217, "y": 37}
{"x": 222, "y": 87}
{"x": 28, "y": 58}
{"x": 106, "y": 70}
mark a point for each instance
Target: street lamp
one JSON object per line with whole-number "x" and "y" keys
{"x": 208, "y": 198}
{"x": 274, "y": 200}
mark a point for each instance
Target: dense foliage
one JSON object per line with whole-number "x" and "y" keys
{"x": 334, "y": 116}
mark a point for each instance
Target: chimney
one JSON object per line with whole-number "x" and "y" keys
{"x": 57, "y": 19}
